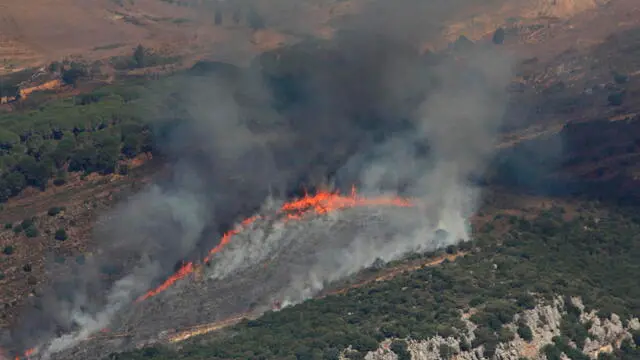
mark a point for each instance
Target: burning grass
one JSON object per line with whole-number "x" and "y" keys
{"x": 320, "y": 203}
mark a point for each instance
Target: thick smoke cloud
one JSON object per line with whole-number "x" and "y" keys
{"x": 364, "y": 108}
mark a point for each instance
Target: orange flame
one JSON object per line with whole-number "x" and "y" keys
{"x": 180, "y": 274}
{"x": 27, "y": 354}
{"x": 321, "y": 203}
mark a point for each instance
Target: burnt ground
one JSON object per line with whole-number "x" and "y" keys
{"x": 244, "y": 278}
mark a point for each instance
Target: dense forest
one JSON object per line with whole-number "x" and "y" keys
{"x": 594, "y": 256}
{"x": 88, "y": 133}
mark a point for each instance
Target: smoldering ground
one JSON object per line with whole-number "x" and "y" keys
{"x": 364, "y": 108}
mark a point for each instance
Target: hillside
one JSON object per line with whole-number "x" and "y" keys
{"x": 475, "y": 304}
{"x": 101, "y": 174}
{"x": 37, "y": 32}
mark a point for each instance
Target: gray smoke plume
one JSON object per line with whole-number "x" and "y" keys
{"x": 364, "y": 108}
{"x": 458, "y": 121}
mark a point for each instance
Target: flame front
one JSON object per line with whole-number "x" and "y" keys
{"x": 27, "y": 354}
{"x": 322, "y": 202}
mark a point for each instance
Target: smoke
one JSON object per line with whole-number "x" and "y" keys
{"x": 458, "y": 122}
{"x": 363, "y": 108}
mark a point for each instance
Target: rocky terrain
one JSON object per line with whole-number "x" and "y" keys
{"x": 544, "y": 322}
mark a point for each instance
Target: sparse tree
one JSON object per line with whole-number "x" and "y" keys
{"x": 61, "y": 235}
{"x": 498, "y": 36}
{"x": 218, "y": 16}
{"x": 31, "y": 232}
{"x": 255, "y": 20}
{"x": 139, "y": 56}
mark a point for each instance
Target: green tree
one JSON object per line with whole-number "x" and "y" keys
{"x": 255, "y": 20}
{"x": 498, "y": 36}
{"x": 616, "y": 99}
{"x": 31, "y": 232}
{"x": 15, "y": 182}
{"x": 71, "y": 76}
{"x": 53, "y": 211}
{"x": 140, "y": 56}
{"x": 61, "y": 235}
{"x": 524, "y": 331}
{"x": 401, "y": 349}
{"x": 218, "y": 16}
{"x": 8, "y": 250}
{"x": 8, "y": 139}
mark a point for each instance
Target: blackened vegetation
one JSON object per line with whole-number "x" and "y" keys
{"x": 535, "y": 261}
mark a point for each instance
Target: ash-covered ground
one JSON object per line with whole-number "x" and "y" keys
{"x": 280, "y": 260}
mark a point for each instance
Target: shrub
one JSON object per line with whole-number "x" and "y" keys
{"x": 636, "y": 337}
{"x": 54, "y": 211}
{"x": 400, "y": 348}
{"x": 446, "y": 352}
{"x": 525, "y": 332}
{"x": 8, "y": 226}
{"x": 498, "y": 36}
{"x": 26, "y": 223}
{"x": 526, "y": 301}
{"x": 2, "y": 276}
{"x": 31, "y": 232}
{"x": 61, "y": 235}
{"x": 8, "y": 250}
{"x": 506, "y": 335}
{"x": 59, "y": 182}
{"x": 616, "y": 99}
{"x": 452, "y": 249}
{"x": 620, "y": 78}
{"x": 123, "y": 169}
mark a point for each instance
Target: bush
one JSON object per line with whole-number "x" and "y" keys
{"x": 498, "y": 36}
{"x": 524, "y": 331}
{"x": 26, "y": 223}
{"x": 620, "y": 78}
{"x": 616, "y": 99}
{"x": 452, "y": 249}
{"x": 31, "y": 232}
{"x": 59, "y": 182}
{"x": 61, "y": 235}
{"x": 123, "y": 169}
{"x": 400, "y": 348}
{"x": 8, "y": 226}
{"x": 636, "y": 337}
{"x": 506, "y": 335}
{"x": 8, "y": 250}
{"x": 54, "y": 211}
{"x": 446, "y": 352}
{"x": 526, "y": 301}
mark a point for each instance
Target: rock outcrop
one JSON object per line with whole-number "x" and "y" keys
{"x": 544, "y": 320}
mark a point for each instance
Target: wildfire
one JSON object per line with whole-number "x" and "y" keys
{"x": 27, "y": 354}
{"x": 185, "y": 270}
{"x": 322, "y": 202}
